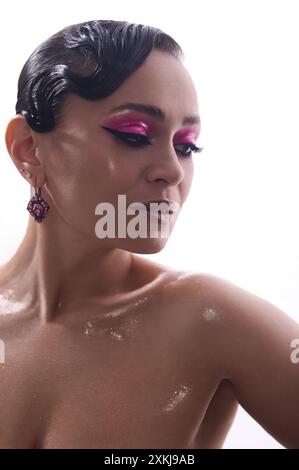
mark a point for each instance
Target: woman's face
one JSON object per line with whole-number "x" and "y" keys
{"x": 85, "y": 164}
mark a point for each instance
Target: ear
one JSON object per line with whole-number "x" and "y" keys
{"x": 21, "y": 144}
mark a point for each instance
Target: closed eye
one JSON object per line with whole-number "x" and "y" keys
{"x": 139, "y": 140}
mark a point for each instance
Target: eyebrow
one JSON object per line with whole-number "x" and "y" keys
{"x": 154, "y": 112}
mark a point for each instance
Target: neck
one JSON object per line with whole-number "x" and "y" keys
{"x": 55, "y": 267}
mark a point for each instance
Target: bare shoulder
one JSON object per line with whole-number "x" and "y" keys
{"x": 199, "y": 318}
{"x": 199, "y": 294}
{"x": 253, "y": 341}
{"x": 238, "y": 309}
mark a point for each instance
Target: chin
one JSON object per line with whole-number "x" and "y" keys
{"x": 147, "y": 246}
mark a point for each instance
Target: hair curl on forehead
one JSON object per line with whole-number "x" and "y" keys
{"x": 90, "y": 59}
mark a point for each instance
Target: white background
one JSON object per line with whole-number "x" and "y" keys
{"x": 241, "y": 219}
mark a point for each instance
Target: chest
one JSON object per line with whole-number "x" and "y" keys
{"x": 104, "y": 388}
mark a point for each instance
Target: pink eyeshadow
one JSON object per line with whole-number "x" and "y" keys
{"x": 186, "y": 136}
{"x": 137, "y": 126}
{"x": 130, "y": 125}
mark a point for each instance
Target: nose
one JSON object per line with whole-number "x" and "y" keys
{"x": 166, "y": 166}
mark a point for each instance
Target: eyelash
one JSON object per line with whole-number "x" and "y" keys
{"x": 142, "y": 140}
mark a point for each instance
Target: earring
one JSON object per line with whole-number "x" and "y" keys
{"x": 27, "y": 174}
{"x": 37, "y": 206}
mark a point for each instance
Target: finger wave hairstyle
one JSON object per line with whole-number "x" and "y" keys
{"x": 90, "y": 59}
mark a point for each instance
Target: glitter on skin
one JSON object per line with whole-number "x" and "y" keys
{"x": 9, "y": 306}
{"x": 179, "y": 279}
{"x": 119, "y": 332}
{"x": 117, "y": 312}
{"x": 177, "y": 397}
{"x": 210, "y": 314}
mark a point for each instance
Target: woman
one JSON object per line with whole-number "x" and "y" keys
{"x": 103, "y": 348}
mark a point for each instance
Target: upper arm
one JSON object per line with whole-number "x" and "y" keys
{"x": 252, "y": 340}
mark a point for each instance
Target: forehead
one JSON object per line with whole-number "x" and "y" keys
{"x": 162, "y": 81}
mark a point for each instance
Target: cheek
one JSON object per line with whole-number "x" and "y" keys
{"x": 80, "y": 177}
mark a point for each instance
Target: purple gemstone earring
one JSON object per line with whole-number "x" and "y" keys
{"x": 37, "y": 206}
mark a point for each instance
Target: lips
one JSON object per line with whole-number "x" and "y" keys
{"x": 153, "y": 206}
{"x": 165, "y": 206}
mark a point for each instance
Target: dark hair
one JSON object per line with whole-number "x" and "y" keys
{"x": 90, "y": 59}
